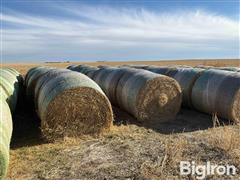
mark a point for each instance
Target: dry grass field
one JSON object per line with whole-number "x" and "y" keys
{"x": 130, "y": 150}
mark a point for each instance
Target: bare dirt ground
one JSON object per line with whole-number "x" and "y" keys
{"x": 130, "y": 150}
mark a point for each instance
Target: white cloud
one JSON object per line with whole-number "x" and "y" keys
{"x": 115, "y": 33}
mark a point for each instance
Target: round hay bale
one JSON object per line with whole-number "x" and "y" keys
{"x": 5, "y": 134}
{"x": 159, "y": 69}
{"x": 103, "y": 66}
{"x": 186, "y": 78}
{"x": 72, "y": 104}
{"x": 204, "y": 67}
{"x": 42, "y": 80}
{"x": 218, "y": 91}
{"x": 150, "y": 97}
{"x": 71, "y": 66}
{"x": 108, "y": 79}
{"x": 10, "y": 81}
{"x": 32, "y": 77}
{"x": 84, "y": 68}
{"x": 235, "y": 69}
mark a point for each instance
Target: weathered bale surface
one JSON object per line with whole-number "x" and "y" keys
{"x": 218, "y": 91}
{"x": 5, "y": 133}
{"x": 70, "y": 104}
{"x": 204, "y": 66}
{"x": 159, "y": 69}
{"x": 136, "y": 66}
{"x": 11, "y": 82}
{"x": 43, "y": 79}
{"x": 83, "y": 68}
{"x": 186, "y": 78}
{"x": 71, "y": 66}
{"x": 108, "y": 79}
{"x": 31, "y": 79}
{"x": 236, "y": 69}
{"x": 150, "y": 97}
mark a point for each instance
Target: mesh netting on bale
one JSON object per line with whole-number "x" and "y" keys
{"x": 236, "y": 69}
{"x": 71, "y": 104}
{"x": 5, "y": 133}
{"x": 83, "y": 68}
{"x": 218, "y": 91}
{"x": 11, "y": 82}
{"x": 43, "y": 79}
{"x": 186, "y": 78}
{"x": 108, "y": 79}
{"x": 31, "y": 79}
{"x": 150, "y": 97}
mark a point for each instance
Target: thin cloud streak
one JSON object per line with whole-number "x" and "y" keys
{"x": 114, "y": 31}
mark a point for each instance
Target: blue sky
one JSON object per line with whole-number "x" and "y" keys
{"x": 38, "y": 31}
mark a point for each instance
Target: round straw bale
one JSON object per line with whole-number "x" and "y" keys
{"x": 159, "y": 69}
{"x": 103, "y": 66}
{"x": 5, "y": 134}
{"x": 150, "y": 97}
{"x": 218, "y": 91}
{"x": 236, "y": 69}
{"x": 32, "y": 77}
{"x": 204, "y": 66}
{"x": 72, "y": 66}
{"x": 186, "y": 78}
{"x": 42, "y": 80}
{"x": 108, "y": 79}
{"x": 10, "y": 81}
{"x": 72, "y": 104}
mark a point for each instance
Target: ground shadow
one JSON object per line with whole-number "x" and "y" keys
{"x": 187, "y": 120}
{"x": 26, "y": 124}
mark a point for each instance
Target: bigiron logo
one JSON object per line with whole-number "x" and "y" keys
{"x": 204, "y": 170}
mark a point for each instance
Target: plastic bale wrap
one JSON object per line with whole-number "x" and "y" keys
{"x": 72, "y": 104}
{"x": 5, "y": 133}
{"x": 31, "y": 79}
{"x": 159, "y": 69}
{"x": 108, "y": 79}
{"x": 186, "y": 78}
{"x": 11, "y": 82}
{"x": 150, "y": 97}
{"x": 218, "y": 91}
{"x": 42, "y": 80}
{"x": 235, "y": 69}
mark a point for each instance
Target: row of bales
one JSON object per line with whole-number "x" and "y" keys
{"x": 10, "y": 84}
{"x": 78, "y": 100}
{"x": 212, "y": 90}
{"x": 151, "y": 98}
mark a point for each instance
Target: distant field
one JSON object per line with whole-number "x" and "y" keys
{"x": 223, "y": 62}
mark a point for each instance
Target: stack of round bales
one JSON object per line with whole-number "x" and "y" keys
{"x": 150, "y": 97}
{"x": 70, "y": 104}
{"x": 186, "y": 78}
{"x": 218, "y": 91}
{"x": 10, "y": 83}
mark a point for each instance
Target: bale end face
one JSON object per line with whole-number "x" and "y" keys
{"x": 235, "y": 114}
{"x": 75, "y": 112}
{"x": 159, "y": 101}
